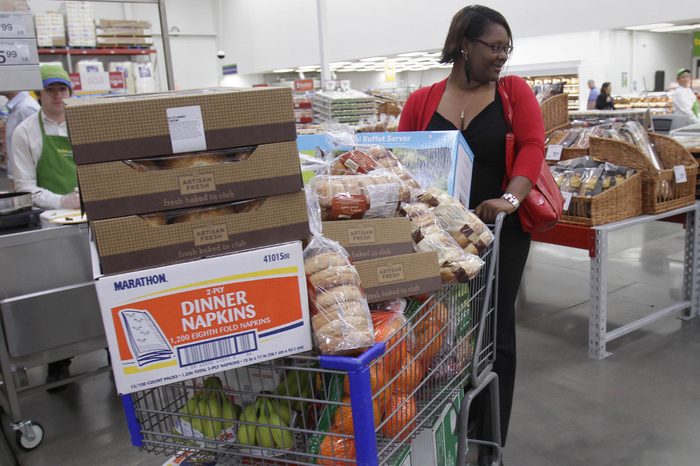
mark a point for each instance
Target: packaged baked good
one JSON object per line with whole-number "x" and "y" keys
{"x": 365, "y": 159}
{"x": 378, "y": 194}
{"x": 340, "y": 316}
{"x": 191, "y": 160}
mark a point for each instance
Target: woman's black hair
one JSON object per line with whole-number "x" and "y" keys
{"x": 470, "y": 23}
{"x": 605, "y": 88}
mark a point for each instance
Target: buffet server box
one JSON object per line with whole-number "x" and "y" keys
{"x": 119, "y": 188}
{"x": 104, "y": 129}
{"x": 173, "y": 323}
{"x": 399, "y": 276}
{"x": 371, "y": 238}
{"x": 141, "y": 241}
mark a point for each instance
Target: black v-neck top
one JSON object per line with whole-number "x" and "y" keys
{"x": 486, "y": 136}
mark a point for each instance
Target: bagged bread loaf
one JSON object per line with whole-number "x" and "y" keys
{"x": 375, "y": 195}
{"x": 340, "y": 316}
{"x": 456, "y": 265}
{"x": 363, "y": 160}
{"x": 464, "y": 226}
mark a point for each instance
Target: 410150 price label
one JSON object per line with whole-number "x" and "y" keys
{"x": 14, "y": 52}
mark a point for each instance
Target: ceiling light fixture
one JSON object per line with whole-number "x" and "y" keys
{"x": 373, "y": 59}
{"x": 284, "y": 70}
{"x": 684, "y": 27}
{"x": 412, "y": 54}
{"x": 646, "y": 27}
{"x": 340, "y": 63}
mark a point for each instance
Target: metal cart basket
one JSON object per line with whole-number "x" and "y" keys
{"x": 333, "y": 410}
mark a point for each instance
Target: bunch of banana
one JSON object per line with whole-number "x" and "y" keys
{"x": 261, "y": 415}
{"x": 296, "y": 384}
{"x": 210, "y": 403}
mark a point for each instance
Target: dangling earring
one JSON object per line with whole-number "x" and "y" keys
{"x": 467, "y": 68}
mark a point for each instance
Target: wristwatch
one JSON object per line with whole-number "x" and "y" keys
{"x": 512, "y": 199}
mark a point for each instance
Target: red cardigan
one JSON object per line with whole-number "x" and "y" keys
{"x": 528, "y": 125}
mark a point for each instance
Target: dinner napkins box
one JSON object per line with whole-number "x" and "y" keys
{"x": 399, "y": 276}
{"x": 173, "y": 323}
{"x": 128, "y": 127}
{"x": 372, "y": 238}
{"x": 142, "y": 241}
{"x": 138, "y": 186}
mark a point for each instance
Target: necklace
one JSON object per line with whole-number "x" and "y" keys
{"x": 461, "y": 116}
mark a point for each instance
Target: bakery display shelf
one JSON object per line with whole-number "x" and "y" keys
{"x": 367, "y": 111}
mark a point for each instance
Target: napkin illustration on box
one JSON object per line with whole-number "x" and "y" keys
{"x": 145, "y": 338}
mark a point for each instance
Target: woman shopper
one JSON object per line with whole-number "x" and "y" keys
{"x": 475, "y": 100}
{"x": 605, "y": 100}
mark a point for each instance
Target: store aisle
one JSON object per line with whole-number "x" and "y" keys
{"x": 638, "y": 407}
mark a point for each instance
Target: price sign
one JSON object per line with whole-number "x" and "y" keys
{"x": 13, "y": 25}
{"x": 567, "y": 200}
{"x": 680, "y": 174}
{"x": 14, "y": 53}
{"x": 554, "y": 152}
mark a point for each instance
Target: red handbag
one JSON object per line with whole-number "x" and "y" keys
{"x": 542, "y": 207}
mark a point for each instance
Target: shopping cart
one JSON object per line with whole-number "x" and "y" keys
{"x": 337, "y": 410}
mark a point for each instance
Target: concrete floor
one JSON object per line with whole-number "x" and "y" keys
{"x": 640, "y": 406}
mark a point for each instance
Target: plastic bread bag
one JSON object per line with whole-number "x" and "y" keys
{"x": 312, "y": 166}
{"x": 557, "y": 137}
{"x": 365, "y": 159}
{"x": 422, "y": 219}
{"x": 376, "y": 195}
{"x": 641, "y": 140}
{"x": 340, "y": 315}
{"x": 591, "y": 182}
{"x": 456, "y": 265}
{"x": 579, "y": 162}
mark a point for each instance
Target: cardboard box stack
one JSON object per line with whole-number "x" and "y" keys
{"x": 182, "y": 175}
{"x": 124, "y": 33}
{"x": 50, "y": 29}
{"x": 80, "y": 18}
{"x": 172, "y": 184}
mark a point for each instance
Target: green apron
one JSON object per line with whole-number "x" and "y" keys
{"x": 56, "y": 168}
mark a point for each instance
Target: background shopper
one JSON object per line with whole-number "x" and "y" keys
{"x": 592, "y": 95}
{"x": 20, "y": 106}
{"x": 685, "y": 102}
{"x": 605, "y": 100}
{"x": 472, "y": 100}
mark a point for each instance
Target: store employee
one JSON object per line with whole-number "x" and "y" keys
{"x": 42, "y": 155}
{"x": 684, "y": 100}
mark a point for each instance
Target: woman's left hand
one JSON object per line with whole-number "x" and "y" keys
{"x": 489, "y": 209}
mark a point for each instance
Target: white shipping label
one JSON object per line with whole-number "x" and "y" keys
{"x": 567, "y": 199}
{"x": 14, "y": 53}
{"x": 554, "y": 152}
{"x": 186, "y": 129}
{"x": 680, "y": 174}
{"x": 383, "y": 200}
{"x": 13, "y": 25}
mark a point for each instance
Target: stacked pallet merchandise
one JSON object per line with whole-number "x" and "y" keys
{"x": 124, "y": 33}
{"x": 343, "y": 106}
{"x": 80, "y": 20}
{"x": 50, "y": 29}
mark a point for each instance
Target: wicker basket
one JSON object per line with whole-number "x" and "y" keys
{"x": 567, "y": 152}
{"x": 660, "y": 192}
{"x": 555, "y": 111}
{"x": 617, "y": 203}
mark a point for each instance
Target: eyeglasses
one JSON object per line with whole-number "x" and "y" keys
{"x": 495, "y": 48}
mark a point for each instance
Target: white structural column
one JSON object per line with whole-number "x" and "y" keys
{"x": 322, "y": 14}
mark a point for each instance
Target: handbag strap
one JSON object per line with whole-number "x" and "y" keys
{"x": 510, "y": 137}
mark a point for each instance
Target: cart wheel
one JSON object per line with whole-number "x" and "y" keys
{"x": 25, "y": 443}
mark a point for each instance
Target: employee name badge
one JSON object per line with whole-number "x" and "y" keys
{"x": 177, "y": 322}
{"x": 680, "y": 174}
{"x": 554, "y": 152}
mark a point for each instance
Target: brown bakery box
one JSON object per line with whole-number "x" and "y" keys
{"x": 372, "y": 238}
{"x": 399, "y": 276}
{"x": 140, "y": 241}
{"x": 129, "y": 127}
{"x": 120, "y": 188}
